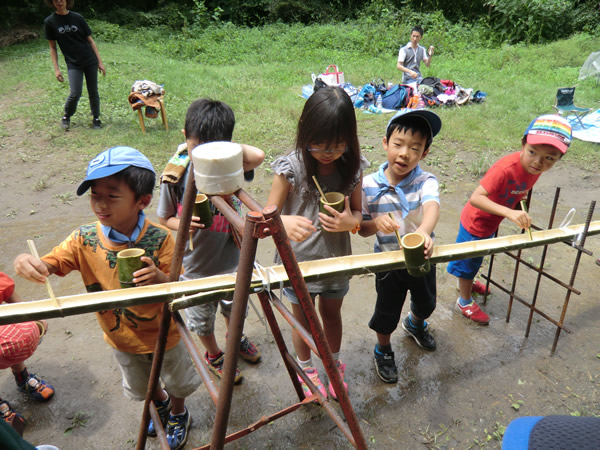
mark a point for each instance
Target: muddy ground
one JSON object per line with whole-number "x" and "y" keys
{"x": 460, "y": 396}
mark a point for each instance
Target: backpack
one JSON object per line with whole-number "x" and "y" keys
{"x": 397, "y": 96}
{"x": 435, "y": 83}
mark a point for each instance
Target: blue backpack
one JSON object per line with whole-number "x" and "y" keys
{"x": 396, "y": 97}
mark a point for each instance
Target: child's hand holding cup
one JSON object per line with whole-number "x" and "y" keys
{"x": 129, "y": 261}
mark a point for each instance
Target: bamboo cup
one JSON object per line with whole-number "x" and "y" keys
{"x": 128, "y": 262}
{"x": 413, "y": 245}
{"x": 202, "y": 210}
{"x": 334, "y": 199}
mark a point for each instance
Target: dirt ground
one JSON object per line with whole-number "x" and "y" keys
{"x": 458, "y": 397}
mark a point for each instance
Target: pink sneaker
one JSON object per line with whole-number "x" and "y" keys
{"x": 479, "y": 288}
{"x": 472, "y": 311}
{"x": 341, "y": 369}
{"x": 313, "y": 375}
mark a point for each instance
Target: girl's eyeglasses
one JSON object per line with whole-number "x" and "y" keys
{"x": 328, "y": 151}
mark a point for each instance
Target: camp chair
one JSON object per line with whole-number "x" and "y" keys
{"x": 564, "y": 104}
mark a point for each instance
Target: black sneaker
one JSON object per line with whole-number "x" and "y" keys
{"x": 385, "y": 366}
{"x": 65, "y": 123}
{"x": 163, "y": 408}
{"x": 422, "y": 336}
{"x": 96, "y": 123}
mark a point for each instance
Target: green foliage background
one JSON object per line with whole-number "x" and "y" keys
{"x": 511, "y": 21}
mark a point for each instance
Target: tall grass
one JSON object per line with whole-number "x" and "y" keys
{"x": 260, "y": 73}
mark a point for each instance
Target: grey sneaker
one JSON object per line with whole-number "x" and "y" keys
{"x": 65, "y": 123}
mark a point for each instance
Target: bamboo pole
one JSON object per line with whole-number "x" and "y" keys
{"x": 311, "y": 270}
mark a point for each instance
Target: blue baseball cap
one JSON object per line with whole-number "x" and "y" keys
{"x": 112, "y": 161}
{"x": 432, "y": 119}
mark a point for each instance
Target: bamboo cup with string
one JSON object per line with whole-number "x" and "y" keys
{"x": 34, "y": 252}
{"x": 524, "y": 208}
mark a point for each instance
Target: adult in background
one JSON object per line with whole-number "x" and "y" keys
{"x": 74, "y": 38}
{"x": 411, "y": 55}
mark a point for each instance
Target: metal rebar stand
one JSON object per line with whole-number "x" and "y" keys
{"x": 532, "y": 305}
{"x": 258, "y": 224}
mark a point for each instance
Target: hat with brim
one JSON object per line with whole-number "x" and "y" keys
{"x": 432, "y": 119}
{"x": 550, "y": 129}
{"x": 113, "y": 161}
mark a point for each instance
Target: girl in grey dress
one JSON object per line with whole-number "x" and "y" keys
{"x": 326, "y": 147}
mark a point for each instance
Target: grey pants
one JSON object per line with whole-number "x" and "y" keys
{"x": 76, "y": 86}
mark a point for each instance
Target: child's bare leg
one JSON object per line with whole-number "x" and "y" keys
{"x": 18, "y": 367}
{"x": 331, "y": 316}
{"x": 178, "y": 405}
{"x": 464, "y": 287}
{"x": 210, "y": 344}
{"x": 160, "y": 395}
{"x": 302, "y": 350}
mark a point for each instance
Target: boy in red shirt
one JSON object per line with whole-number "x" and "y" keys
{"x": 509, "y": 179}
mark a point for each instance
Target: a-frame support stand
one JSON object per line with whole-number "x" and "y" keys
{"x": 258, "y": 224}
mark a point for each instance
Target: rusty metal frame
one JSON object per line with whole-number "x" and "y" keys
{"x": 259, "y": 223}
{"x": 532, "y": 304}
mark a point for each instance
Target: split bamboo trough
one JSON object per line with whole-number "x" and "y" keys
{"x": 183, "y": 294}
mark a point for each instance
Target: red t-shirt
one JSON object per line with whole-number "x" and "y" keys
{"x": 506, "y": 182}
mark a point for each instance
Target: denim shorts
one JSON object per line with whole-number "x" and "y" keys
{"x": 466, "y": 268}
{"x": 326, "y": 294}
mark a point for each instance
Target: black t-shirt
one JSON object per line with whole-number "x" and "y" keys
{"x": 71, "y": 32}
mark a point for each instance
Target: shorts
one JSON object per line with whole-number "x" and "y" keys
{"x": 18, "y": 341}
{"x": 177, "y": 373}
{"x": 466, "y": 268}
{"x": 326, "y": 294}
{"x": 392, "y": 288}
{"x": 201, "y": 318}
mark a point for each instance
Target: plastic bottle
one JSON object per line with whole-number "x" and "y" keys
{"x": 374, "y": 109}
{"x": 379, "y": 101}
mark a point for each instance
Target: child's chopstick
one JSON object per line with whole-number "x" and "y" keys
{"x": 34, "y": 252}
{"x": 524, "y": 208}
{"x": 396, "y": 231}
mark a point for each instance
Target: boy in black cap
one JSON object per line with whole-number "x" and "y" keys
{"x": 411, "y": 195}
{"x": 121, "y": 181}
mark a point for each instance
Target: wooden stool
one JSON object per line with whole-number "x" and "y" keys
{"x": 163, "y": 115}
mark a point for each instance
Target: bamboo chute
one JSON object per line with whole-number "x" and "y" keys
{"x": 221, "y": 286}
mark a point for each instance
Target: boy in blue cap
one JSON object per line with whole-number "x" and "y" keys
{"x": 121, "y": 181}
{"x": 545, "y": 141}
{"x": 411, "y": 196}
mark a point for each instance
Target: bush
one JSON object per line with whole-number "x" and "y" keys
{"x": 533, "y": 21}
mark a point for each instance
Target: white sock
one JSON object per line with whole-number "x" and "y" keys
{"x": 304, "y": 364}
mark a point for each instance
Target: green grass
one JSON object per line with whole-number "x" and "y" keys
{"x": 260, "y": 72}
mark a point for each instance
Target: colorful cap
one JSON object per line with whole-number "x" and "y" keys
{"x": 432, "y": 119}
{"x": 112, "y": 161}
{"x": 550, "y": 129}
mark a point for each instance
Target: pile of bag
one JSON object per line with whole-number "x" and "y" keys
{"x": 377, "y": 97}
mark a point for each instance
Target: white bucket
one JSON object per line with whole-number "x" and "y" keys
{"x": 218, "y": 168}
